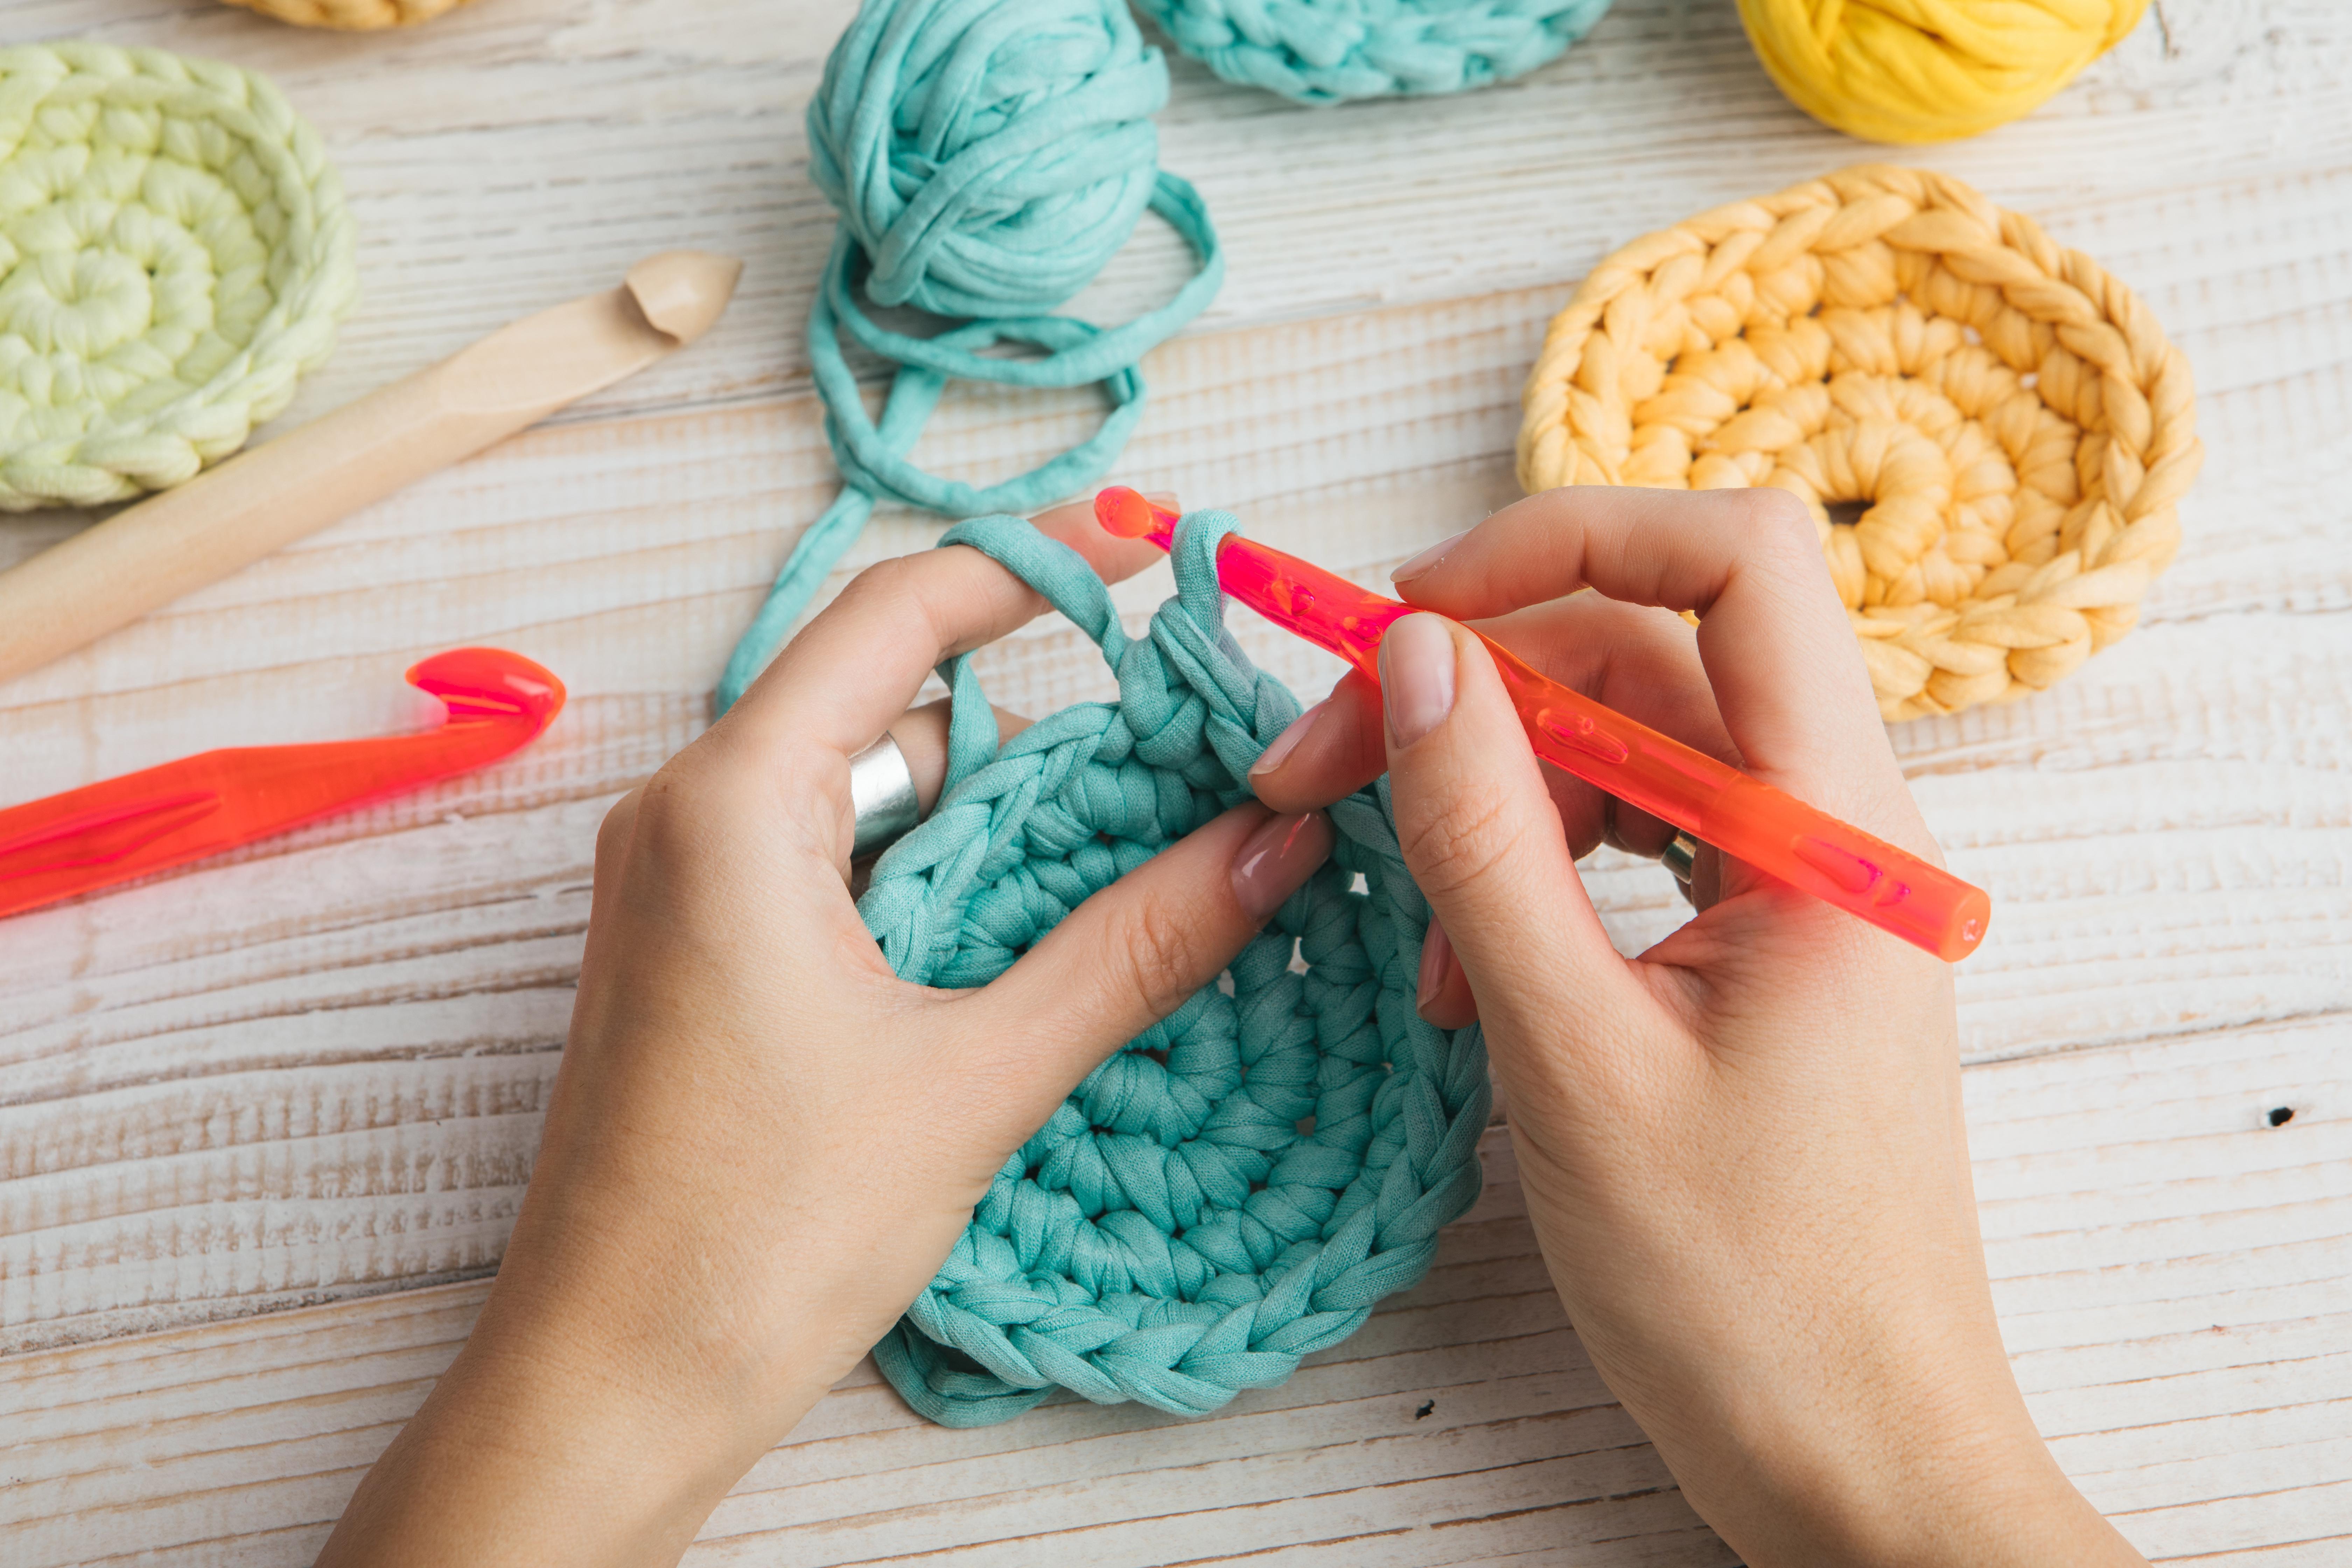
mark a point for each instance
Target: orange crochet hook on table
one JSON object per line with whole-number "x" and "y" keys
{"x": 123, "y": 827}
{"x": 1775, "y": 833}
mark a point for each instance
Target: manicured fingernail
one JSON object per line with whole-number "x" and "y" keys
{"x": 1416, "y": 676}
{"x": 1437, "y": 952}
{"x": 1277, "y": 858}
{"x": 1427, "y": 558}
{"x": 1271, "y": 758}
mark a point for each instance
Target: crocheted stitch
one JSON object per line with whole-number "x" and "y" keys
{"x": 1929, "y": 70}
{"x": 986, "y": 161}
{"x": 1329, "y": 51}
{"x": 352, "y": 16}
{"x": 2014, "y": 416}
{"x": 174, "y": 252}
{"x": 1240, "y": 1184}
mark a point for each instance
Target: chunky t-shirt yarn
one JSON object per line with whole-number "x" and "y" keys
{"x": 1237, "y": 1186}
{"x": 986, "y": 161}
{"x": 1929, "y": 70}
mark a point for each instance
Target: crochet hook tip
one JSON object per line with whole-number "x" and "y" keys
{"x": 475, "y": 681}
{"x": 1130, "y": 515}
{"x": 681, "y": 293}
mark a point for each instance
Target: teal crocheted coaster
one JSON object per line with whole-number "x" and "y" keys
{"x": 1237, "y": 1186}
{"x": 1330, "y": 51}
{"x": 175, "y": 253}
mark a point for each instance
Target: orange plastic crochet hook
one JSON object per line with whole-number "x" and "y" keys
{"x": 162, "y": 816}
{"x": 1775, "y": 833}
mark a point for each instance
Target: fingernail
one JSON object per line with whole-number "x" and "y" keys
{"x": 1427, "y": 558}
{"x": 1277, "y": 858}
{"x": 1416, "y": 676}
{"x": 1271, "y": 758}
{"x": 1437, "y": 952}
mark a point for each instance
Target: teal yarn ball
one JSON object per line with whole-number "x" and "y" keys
{"x": 1330, "y": 51}
{"x": 987, "y": 158}
{"x": 1239, "y": 1185}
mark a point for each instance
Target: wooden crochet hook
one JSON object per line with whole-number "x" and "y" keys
{"x": 232, "y": 515}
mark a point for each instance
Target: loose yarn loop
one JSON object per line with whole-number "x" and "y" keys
{"x": 350, "y": 15}
{"x": 1330, "y": 51}
{"x": 2015, "y": 415}
{"x": 175, "y": 253}
{"x": 1929, "y": 70}
{"x": 987, "y": 161}
{"x": 1176, "y": 1231}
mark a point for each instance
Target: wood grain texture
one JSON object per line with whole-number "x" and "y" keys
{"x": 312, "y": 1072}
{"x": 2167, "y": 1266}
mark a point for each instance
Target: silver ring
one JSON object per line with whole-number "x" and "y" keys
{"x": 1680, "y": 857}
{"x": 882, "y": 794}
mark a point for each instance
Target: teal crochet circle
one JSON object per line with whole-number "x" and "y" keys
{"x": 1237, "y": 1186}
{"x": 1331, "y": 51}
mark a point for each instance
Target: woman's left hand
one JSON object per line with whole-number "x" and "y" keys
{"x": 761, "y": 1144}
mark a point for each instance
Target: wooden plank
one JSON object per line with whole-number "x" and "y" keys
{"x": 2171, "y": 1293}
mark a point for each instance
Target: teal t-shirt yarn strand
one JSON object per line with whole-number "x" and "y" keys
{"x": 987, "y": 159}
{"x": 1332, "y": 51}
{"x": 1236, "y": 1187}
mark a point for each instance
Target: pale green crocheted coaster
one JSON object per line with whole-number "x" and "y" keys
{"x": 175, "y": 253}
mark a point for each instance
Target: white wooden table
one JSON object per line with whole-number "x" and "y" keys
{"x": 264, "y": 1124}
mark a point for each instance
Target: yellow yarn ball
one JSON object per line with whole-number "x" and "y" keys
{"x": 1929, "y": 70}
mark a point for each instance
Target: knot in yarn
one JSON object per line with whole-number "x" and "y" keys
{"x": 1239, "y": 1184}
{"x": 1331, "y": 51}
{"x": 2016, "y": 420}
{"x": 175, "y": 253}
{"x": 986, "y": 161}
{"x": 1933, "y": 70}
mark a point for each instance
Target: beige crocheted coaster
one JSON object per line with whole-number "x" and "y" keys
{"x": 353, "y": 15}
{"x": 2014, "y": 417}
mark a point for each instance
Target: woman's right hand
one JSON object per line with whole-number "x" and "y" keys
{"x": 1743, "y": 1151}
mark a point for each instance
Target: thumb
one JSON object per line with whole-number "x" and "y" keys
{"x": 1132, "y": 953}
{"x": 1479, "y": 832}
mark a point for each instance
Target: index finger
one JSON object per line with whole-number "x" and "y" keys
{"x": 856, "y": 668}
{"x": 1772, "y": 634}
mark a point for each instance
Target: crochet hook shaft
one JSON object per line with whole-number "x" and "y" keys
{"x": 162, "y": 816}
{"x": 1748, "y": 820}
{"x": 229, "y": 516}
